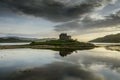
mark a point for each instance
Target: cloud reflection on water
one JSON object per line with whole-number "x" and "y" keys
{"x": 58, "y": 71}
{"x": 95, "y": 64}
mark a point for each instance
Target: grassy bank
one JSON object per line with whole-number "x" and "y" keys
{"x": 43, "y": 47}
{"x": 53, "y": 44}
{"x": 64, "y": 43}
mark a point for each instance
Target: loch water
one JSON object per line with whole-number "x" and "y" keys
{"x": 102, "y": 63}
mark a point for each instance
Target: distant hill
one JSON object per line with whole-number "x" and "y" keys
{"x": 22, "y": 39}
{"x": 114, "y": 38}
{"x": 15, "y": 39}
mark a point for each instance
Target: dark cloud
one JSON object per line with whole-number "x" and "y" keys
{"x": 67, "y": 26}
{"x": 55, "y": 10}
{"x": 88, "y": 23}
{"x": 73, "y": 14}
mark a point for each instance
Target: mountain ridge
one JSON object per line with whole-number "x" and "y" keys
{"x": 113, "y": 38}
{"x": 21, "y": 39}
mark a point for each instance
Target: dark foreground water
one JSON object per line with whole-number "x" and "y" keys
{"x": 35, "y": 64}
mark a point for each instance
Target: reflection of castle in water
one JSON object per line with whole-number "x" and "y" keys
{"x": 64, "y": 53}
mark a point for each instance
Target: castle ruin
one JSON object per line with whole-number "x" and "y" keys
{"x": 64, "y": 36}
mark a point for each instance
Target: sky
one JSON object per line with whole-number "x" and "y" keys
{"x": 83, "y": 19}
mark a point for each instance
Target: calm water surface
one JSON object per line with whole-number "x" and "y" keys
{"x": 37, "y": 64}
{"x": 15, "y": 43}
{"x": 106, "y": 44}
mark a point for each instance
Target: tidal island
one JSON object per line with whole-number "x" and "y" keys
{"x": 64, "y": 42}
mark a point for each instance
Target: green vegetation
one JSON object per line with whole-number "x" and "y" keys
{"x": 57, "y": 45}
{"x": 54, "y": 45}
{"x": 108, "y": 39}
{"x": 67, "y": 43}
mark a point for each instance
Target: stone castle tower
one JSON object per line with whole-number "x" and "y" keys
{"x": 64, "y": 36}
